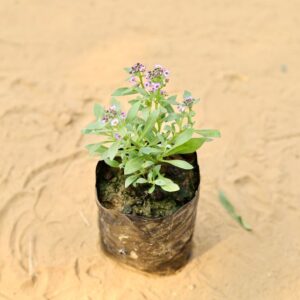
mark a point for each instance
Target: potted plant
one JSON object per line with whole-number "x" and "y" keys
{"x": 147, "y": 183}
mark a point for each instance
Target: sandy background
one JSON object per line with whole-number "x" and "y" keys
{"x": 57, "y": 58}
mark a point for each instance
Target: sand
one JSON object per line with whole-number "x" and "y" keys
{"x": 57, "y": 58}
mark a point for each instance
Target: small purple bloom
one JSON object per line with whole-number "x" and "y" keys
{"x": 189, "y": 98}
{"x": 123, "y": 115}
{"x": 132, "y": 80}
{"x": 162, "y": 92}
{"x": 158, "y": 66}
{"x": 188, "y": 101}
{"x": 156, "y": 86}
{"x": 137, "y": 68}
{"x": 142, "y": 68}
{"x": 166, "y": 72}
{"x": 148, "y": 75}
{"x": 148, "y": 84}
{"x": 117, "y": 136}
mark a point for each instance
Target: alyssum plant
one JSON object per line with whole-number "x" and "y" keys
{"x": 148, "y": 180}
{"x": 156, "y": 129}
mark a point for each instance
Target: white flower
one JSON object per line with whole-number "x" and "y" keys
{"x": 113, "y": 108}
{"x": 181, "y": 108}
{"x": 114, "y": 122}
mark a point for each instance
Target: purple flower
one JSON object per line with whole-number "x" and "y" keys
{"x": 137, "y": 68}
{"x": 114, "y": 122}
{"x": 117, "y": 136}
{"x": 166, "y": 72}
{"x": 188, "y": 101}
{"x": 162, "y": 92}
{"x": 156, "y": 86}
{"x": 142, "y": 68}
{"x": 132, "y": 80}
{"x": 189, "y": 98}
{"x": 123, "y": 115}
{"x": 148, "y": 84}
{"x": 157, "y": 66}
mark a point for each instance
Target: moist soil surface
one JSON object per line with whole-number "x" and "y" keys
{"x": 137, "y": 201}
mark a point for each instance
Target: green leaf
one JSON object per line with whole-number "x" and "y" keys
{"x": 184, "y": 136}
{"x": 96, "y": 148}
{"x": 98, "y": 111}
{"x": 114, "y": 101}
{"x": 171, "y": 187}
{"x": 112, "y": 163}
{"x": 141, "y": 180}
{"x": 94, "y": 126}
{"x": 156, "y": 170}
{"x": 179, "y": 163}
{"x": 167, "y": 106}
{"x": 147, "y": 164}
{"x": 132, "y": 113}
{"x": 187, "y": 94}
{"x": 133, "y": 165}
{"x": 113, "y": 150}
{"x": 172, "y": 100}
{"x": 172, "y": 117}
{"x": 141, "y": 91}
{"x": 133, "y": 101}
{"x": 211, "y": 133}
{"x": 130, "y": 179}
{"x": 149, "y": 150}
{"x": 124, "y": 91}
{"x": 149, "y": 123}
{"x": 167, "y": 184}
{"x": 145, "y": 113}
{"x": 232, "y": 212}
{"x": 151, "y": 190}
{"x": 188, "y": 147}
{"x": 127, "y": 69}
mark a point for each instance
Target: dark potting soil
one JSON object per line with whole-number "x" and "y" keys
{"x": 137, "y": 201}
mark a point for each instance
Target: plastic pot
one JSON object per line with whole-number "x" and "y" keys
{"x": 156, "y": 245}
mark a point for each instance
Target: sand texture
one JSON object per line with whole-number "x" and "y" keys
{"x": 57, "y": 58}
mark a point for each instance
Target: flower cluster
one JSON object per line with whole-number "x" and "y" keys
{"x": 151, "y": 133}
{"x": 156, "y": 79}
{"x": 113, "y": 116}
{"x": 158, "y": 73}
{"x": 152, "y": 86}
{"x": 135, "y": 69}
{"x": 152, "y": 81}
{"x": 188, "y": 102}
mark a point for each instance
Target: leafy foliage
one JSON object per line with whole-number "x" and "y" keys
{"x": 156, "y": 128}
{"x": 232, "y": 212}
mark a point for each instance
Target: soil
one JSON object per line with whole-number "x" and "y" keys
{"x": 137, "y": 201}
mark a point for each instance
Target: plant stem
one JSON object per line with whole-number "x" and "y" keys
{"x": 141, "y": 80}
